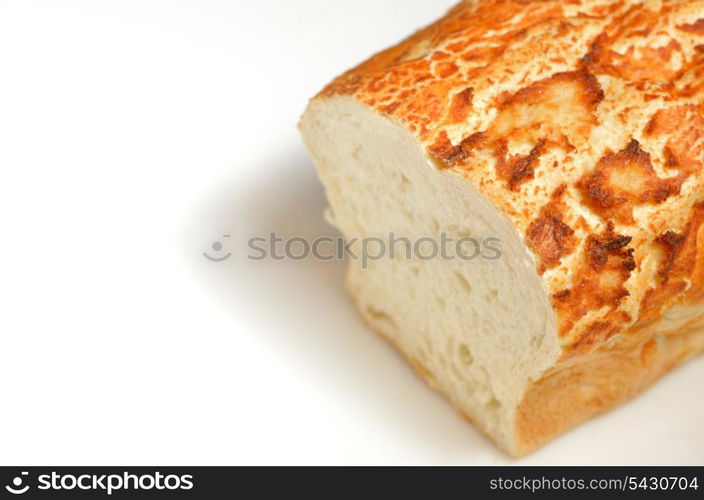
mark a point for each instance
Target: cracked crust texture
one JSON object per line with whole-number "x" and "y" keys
{"x": 583, "y": 122}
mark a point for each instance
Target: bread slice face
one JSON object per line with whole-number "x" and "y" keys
{"x": 474, "y": 327}
{"x": 572, "y": 137}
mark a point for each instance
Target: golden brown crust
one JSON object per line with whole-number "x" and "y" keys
{"x": 625, "y": 179}
{"x": 599, "y": 282}
{"x": 568, "y": 396}
{"x": 681, "y": 269}
{"x": 549, "y": 236}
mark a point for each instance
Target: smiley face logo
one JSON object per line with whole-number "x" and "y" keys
{"x": 16, "y": 488}
{"x": 217, "y": 248}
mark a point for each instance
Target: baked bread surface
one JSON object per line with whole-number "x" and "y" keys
{"x": 582, "y": 122}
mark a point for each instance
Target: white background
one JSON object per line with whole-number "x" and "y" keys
{"x": 134, "y": 134}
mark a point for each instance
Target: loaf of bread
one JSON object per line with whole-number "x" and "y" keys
{"x": 572, "y": 131}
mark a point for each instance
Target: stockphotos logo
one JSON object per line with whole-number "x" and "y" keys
{"x": 17, "y": 488}
{"x": 101, "y": 483}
